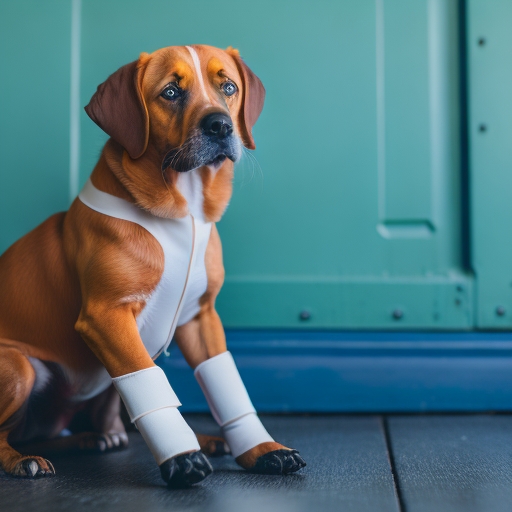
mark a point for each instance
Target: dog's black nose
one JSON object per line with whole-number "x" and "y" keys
{"x": 217, "y": 125}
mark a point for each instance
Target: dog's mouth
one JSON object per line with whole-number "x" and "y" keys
{"x": 197, "y": 152}
{"x": 218, "y": 160}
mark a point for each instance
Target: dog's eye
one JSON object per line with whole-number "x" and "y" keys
{"x": 171, "y": 92}
{"x": 229, "y": 88}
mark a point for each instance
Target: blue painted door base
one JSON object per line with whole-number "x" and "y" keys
{"x": 287, "y": 371}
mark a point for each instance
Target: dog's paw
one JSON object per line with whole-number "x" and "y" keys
{"x": 104, "y": 442}
{"x": 278, "y": 462}
{"x": 213, "y": 446}
{"x": 33, "y": 467}
{"x": 185, "y": 470}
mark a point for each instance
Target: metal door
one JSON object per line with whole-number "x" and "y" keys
{"x": 351, "y": 213}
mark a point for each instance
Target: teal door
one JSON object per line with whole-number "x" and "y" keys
{"x": 350, "y": 214}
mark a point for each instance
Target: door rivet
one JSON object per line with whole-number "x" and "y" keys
{"x": 482, "y": 128}
{"x": 304, "y": 314}
{"x": 398, "y": 314}
{"x": 500, "y": 310}
{"x": 481, "y": 41}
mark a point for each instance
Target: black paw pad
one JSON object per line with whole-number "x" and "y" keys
{"x": 278, "y": 462}
{"x": 185, "y": 470}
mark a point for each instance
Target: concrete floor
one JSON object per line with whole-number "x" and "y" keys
{"x": 355, "y": 463}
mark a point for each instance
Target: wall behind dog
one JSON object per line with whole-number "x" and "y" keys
{"x": 35, "y": 114}
{"x": 354, "y": 212}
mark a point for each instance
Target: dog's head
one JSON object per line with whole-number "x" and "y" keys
{"x": 179, "y": 109}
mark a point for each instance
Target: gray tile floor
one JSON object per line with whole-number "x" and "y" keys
{"x": 355, "y": 463}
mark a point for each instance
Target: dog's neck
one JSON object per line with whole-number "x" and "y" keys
{"x": 202, "y": 192}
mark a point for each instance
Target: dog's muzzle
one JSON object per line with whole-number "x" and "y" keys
{"x": 212, "y": 143}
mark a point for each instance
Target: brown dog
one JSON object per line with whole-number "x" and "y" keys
{"x": 74, "y": 290}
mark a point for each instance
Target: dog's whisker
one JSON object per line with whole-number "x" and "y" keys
{"x": 242, "y": 166}
{"x": 179, "y": 152}
{"x": 255, "y": 166}
{"x": 247, "y": 166}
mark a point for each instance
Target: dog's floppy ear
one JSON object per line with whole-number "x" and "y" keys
{"x": 252, "y": 99}
{"x": 118, "y": 108}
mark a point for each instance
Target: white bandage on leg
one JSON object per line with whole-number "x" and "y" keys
{"x": 152, "y": 406}
{"x": 230, "y": 404}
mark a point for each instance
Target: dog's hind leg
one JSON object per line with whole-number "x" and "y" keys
{"x": 213, "y": 446}
{"x": 17, "y": 378}
{"x": 99, "y": 426}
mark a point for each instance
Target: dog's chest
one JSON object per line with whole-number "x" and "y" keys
{"x": 175, "y": 300}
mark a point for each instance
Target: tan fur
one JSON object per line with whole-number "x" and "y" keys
{"x": 248, "y": 459}
{"x": 212, "y": 445}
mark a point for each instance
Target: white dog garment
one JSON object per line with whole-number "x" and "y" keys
{"x": 230, "y": 404}
{"x": 152, "y": 406}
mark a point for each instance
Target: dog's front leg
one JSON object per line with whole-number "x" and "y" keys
{"x": 203, "y": 344}
{"x": 217, "y": 374}
{"x": 112, "y": 334}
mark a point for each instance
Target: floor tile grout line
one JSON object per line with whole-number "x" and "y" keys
{"x": 392, "y": 464}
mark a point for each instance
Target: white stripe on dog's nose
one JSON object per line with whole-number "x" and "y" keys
{"x": 197, "y": 65}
